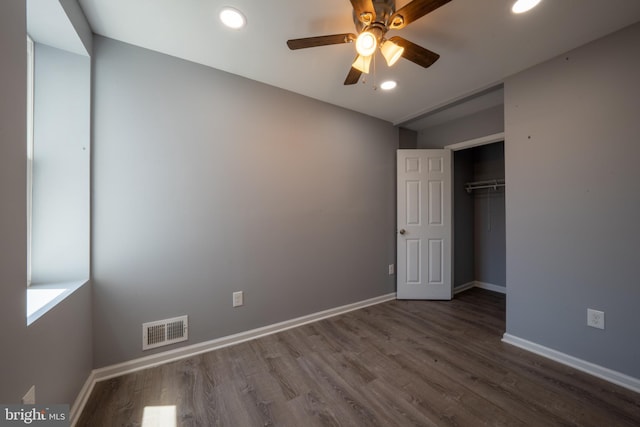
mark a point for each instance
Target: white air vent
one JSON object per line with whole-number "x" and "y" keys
{"x": 164, "y": 332}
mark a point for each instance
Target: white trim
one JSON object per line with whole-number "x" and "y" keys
{"x": 37, "y": 310}
{"x": 150, "y": 361}
{"x": 465, "y": 287}
{"x": 81, "y": 400}
{"x": 482, "y": 285}
{"x": 606, "y": 374}
{"x": 29, "y": 142}
{"x": 490, "y": 287}
{"x": 489, "y": 139}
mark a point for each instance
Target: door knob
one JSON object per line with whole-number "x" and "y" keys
{"x": 402, "y": 231}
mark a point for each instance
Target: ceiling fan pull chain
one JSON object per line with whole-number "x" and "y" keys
{"x": 375, "y": 80}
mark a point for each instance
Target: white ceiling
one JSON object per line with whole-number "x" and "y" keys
{"x": 480, "y": 42}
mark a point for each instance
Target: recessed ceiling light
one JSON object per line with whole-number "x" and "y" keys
{"x": 232, "y": 18}
{"x": 522, "y": 6}
{"x": 388, "y": 85}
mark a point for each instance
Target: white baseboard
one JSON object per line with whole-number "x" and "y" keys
{"x": 81, "y": 400}
{"x": 606, "y": 374}
{"x": 477, "y": 284}
{"x": 156, "y": 359}
{"x": 464, "y": 287}
{"x": 490, "y": 287}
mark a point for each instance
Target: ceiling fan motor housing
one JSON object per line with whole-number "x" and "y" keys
{"x": 383, "y": 8}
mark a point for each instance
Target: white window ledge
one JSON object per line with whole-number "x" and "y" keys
{"x": 43, "y": 297}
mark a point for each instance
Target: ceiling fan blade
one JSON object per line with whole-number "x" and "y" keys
{"x": 414, "y": 11}
{"x": 353, "y": 76}
{"x": 364, "y": 10}
{"x": 414, "y": 53}
{"x": 320, "y": 41}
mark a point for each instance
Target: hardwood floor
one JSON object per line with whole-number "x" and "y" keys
{"x": 400, "y": 363}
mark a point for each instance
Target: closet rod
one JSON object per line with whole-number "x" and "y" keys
{"x": 478, "y": 185}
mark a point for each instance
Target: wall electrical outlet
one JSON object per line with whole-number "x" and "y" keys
{"x": 30, "y": 397}
{"x": 595, "y": 318}
{"x": 238, "y": 299}
{"x": 392, "y": 269}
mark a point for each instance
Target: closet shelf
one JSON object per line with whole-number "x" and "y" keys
{"x": 478, "y": 185}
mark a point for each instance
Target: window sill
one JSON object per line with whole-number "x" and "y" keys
{"x": 43, "y": 297}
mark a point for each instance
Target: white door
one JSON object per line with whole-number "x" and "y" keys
{"x": 424, "y": 224}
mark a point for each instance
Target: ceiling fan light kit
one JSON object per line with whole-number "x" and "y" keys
{"x": 373, "y": 18}
{"x": 366, "y": 43}
{"x": 391, "y": 52}
{"x": 362, "y": 63}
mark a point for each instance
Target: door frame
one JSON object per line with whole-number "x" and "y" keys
{"x": 485, "y": 140}
{"x": 463, "y": 145}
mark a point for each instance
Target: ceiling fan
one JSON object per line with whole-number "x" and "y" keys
{"x": 373, "y": 18}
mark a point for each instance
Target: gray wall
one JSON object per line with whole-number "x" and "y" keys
{"x": 205, "y": 183}
{"x": 54, "y": 352}
{"x": 573, "y": 203}
{"x": 407, "y": 138}
{"x": 13, "y": 173}
{"x": 483, "y": 123}
{"x": 60, "y": 243}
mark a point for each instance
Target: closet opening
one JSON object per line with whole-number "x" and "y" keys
{"x": 479, "y": 218}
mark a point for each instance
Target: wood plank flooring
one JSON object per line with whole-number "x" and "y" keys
{"x": 400, "y": 363}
